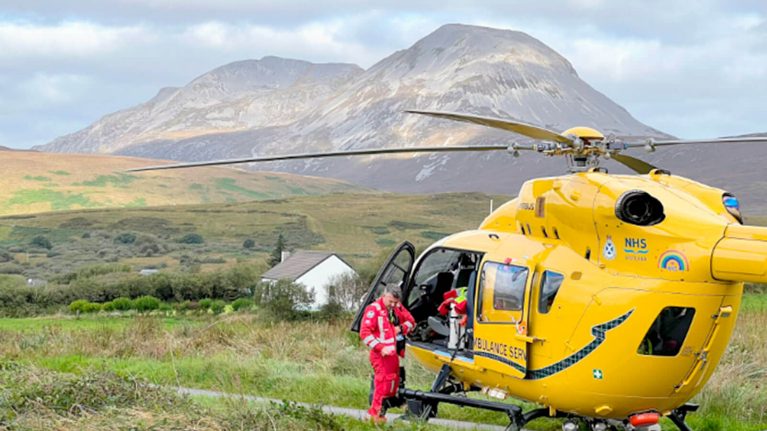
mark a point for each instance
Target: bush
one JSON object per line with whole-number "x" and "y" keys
{"x": 192, "y": 238}
{"x": 5, "y": 256}
{"x": 120, "y": 304}
{"x": 242, "y": 304}
{"x": 92, "y": 307}
{"x": 146, "y": 303}
{"x": 332, "y": 311}
{"x": 205, "y": 304}
{"x": 248, "y": 244}
{"x": 283, "y": 300}
{"x": 84, "y": 306}
{"x": 42, "y": 242}
{"x": 125, "y": 238}
{"x": 217, "y": 306}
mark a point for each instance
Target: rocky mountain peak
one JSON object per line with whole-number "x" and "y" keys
{"x": 459, "y": 48}
{"x": 270, "y": 73}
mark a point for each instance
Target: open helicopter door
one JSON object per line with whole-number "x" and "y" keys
{"x": 396, "y": 270}
{"x": 500, "y": 330}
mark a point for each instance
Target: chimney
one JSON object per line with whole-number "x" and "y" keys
{"x": 284, "y": 255}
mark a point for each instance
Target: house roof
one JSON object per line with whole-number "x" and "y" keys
{"x": 298, "y": 264}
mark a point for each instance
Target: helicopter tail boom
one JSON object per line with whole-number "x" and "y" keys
{"x": 741, "y": 255}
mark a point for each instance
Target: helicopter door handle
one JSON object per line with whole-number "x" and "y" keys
{"x": 528, "y": 338}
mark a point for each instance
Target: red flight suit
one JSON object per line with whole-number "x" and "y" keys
{"x": 378, "y": 331}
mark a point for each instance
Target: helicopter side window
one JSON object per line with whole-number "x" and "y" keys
{"x": 550, "y": 283}
{"x": 502, "y": 290}
{"x": 667, "y": 333}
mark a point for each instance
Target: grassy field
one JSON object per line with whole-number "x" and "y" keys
{"x": 357, "y": 226}
{"x": 34, "y": 182}
{"x": 318, "y": 362}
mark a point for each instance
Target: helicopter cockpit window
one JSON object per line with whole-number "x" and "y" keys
{"x": 502, "y": 290}
{"x": 550, "y": 283}
{"x": 440, "y": 271}
{"x": 427, "y": 275}
{"x": 667, "y": 333}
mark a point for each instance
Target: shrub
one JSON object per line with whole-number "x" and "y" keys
{"x": 92, "y": 307}
{"x": 125, "y": 238}
{"x": 5, "y": 256}
{"x": 42, "y": 242}
{"x": 332, "y": 310}
{"x": 121, "y": 304}
{"x": 205, "y": 303}
{"x": 146, "y": 303}
{"x": 192, "y": 238}
{"x": 248, "y": 244}
{"x": 217, "y": 306}
{"x": 283, "y": 300}
{"x": 84, "y": 306}
{"x": 242, "y": 304}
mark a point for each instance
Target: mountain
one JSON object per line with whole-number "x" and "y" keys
{"x": 239, "y": 96}
{"x": 241, "y": 109}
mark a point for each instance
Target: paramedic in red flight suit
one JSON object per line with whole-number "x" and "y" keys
{"x": 384, "y": 320}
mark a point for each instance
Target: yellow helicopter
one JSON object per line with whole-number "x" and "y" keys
{"x": 606, "y": 299}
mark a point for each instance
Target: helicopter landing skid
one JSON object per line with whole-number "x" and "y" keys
{"x": 680, "y": 413}
{"x": 422, "y": 405}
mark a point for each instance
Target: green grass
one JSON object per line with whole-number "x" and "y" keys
{"x": 37, "y": 178}
{"x": 359, "y": 227}
{"x": 60, "y": 173}
{"x": 118, "y": 180}
{"x": 58, "y": 200}
{"x": 84, "y": 323}
{"x": 229, "y": 184}
{"x": 753, "y": 302}
{"x": 39, "y": 399}
{"x": 315, "y": 362}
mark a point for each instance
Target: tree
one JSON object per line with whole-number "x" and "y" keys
{"x": 283, "y": 299}
{"x": 276, "y": 256}
{"x": 346, "y": 290}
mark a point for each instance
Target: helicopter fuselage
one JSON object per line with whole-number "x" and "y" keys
{"x": 579, "y": 310}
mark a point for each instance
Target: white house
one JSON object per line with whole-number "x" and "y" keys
{"x": 313, "y": 269}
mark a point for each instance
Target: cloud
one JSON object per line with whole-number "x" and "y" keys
{"x": 78, "y": 39}
{"x": 689, "y": 68}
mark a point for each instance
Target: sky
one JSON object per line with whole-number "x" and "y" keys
{"x": 691, "y": 69}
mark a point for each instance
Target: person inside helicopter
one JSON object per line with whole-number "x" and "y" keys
{"x": 443, "y": 285}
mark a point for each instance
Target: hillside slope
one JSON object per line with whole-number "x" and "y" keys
{"x": 35, "y": 182}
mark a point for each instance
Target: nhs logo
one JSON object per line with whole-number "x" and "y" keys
{"x": 635, "y": 249}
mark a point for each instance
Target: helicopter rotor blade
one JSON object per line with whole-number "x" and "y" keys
{"x": 528, "y": 130}
{"x": 638, "y": 166}
{"x": 743, "y": 140}
{"x": 652, "y": 143}
{"x": 305, "y": 156}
